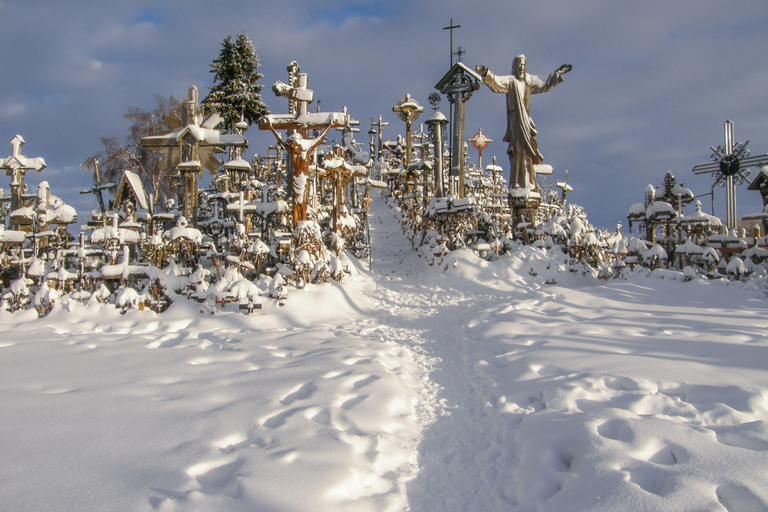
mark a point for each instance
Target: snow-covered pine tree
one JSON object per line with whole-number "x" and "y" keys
{"x": 236, "y": 91}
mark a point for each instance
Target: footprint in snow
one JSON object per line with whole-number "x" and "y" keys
{"x": 299, "y": 393}
{"x": 616, "y": 430}
{"x": 213, "y": 475}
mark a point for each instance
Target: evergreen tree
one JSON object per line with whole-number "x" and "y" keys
{"x": 236, "y": 89}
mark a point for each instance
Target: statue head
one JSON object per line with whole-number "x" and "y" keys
{"x": 518, "y": 66}
{"x": 294, "y": 140}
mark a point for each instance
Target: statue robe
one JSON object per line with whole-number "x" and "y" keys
{"x": 521, "y": 131}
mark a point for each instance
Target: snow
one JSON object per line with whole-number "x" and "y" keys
{"x": 466, "y": 385}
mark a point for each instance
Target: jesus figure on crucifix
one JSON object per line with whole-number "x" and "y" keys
{"x": 300, "y": 151}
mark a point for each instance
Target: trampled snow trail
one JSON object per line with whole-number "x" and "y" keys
{"x": 460, "y": 454}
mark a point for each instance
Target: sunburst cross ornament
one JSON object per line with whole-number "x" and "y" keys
{"x": 730, "y": 167}
{"x": 480, "y": 140}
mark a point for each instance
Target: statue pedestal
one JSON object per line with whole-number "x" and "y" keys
{"x": 523, "y": 203}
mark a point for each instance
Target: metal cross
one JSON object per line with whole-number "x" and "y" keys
{"x": 730, "y": 167}
{"x": 460, "y": 52}
{"x": 451, "y": 27}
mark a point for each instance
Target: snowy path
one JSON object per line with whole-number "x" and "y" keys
{"x": 460, "y": 454}
{"x": 471, "y": 386}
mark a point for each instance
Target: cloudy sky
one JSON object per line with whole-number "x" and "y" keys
{"x": 652, "y": 82}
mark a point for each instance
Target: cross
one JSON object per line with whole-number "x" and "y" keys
{"x": 197, "y": 141}
{"x": 451, "y": 27}
{"x": 379, "y": 125}
{"x": 408, "y": 110}
{"x": 300, "y": 121}
{"x": 98, "y": 188}
{"x": 241, "y": 207}
{"x": 730, "y": 167}
{"x": 299, "y": 97}
{"x": 460, "y": 51}
{"x": 480, "y": 141}
{"x": 16, "y": 166}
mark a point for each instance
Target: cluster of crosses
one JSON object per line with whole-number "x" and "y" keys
{"x": 697, "y": 239}
{"x": 292, "y": 216}
{"x": 447, "y": 201}
{"x": 287, "y": 218}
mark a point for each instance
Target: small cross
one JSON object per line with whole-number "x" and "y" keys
{"x": 460, "y": 52}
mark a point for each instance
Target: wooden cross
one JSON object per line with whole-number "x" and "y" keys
{"x": 730, "y": 167}
{"x": 408, "y": 110}
{"x": 16, "y": 166}
{"x": 197, "y": 141}
{"x": 242, "y": 208}
{"x": 451, "y": 27}
{"x": 299, "y": 97}
{"x": 380, "y": 124}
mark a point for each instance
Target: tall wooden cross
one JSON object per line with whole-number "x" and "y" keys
{"x": 299, "y": 96}
{"x": 380, "y": 124}
{"x": 451, "y": 27}
{"x": 730, "y": 167}
{"x": 16, "y": 166}
{"x": 197, "y": 140}
{"x": 300, "y": 120}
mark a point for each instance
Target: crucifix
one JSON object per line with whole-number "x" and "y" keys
{"x": 408, "y": 110}
{"x": 16, "y": 166}
{"x": 730, "y": 167}
{"x": 300, "y": 121}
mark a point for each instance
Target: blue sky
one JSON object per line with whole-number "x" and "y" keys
{"x": 653, "y": 82}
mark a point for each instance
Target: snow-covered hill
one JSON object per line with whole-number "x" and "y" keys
{"x": 464, "y": 386}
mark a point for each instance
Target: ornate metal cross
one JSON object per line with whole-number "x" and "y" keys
{"x": 480, "y": 140}
{"x": 730, "y": 167}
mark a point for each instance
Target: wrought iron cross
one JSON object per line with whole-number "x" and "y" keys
{"x": 730, "y": 167}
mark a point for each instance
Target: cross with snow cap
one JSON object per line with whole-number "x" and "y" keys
{"x": 299, "y": 96}
{"x": 16, "y": 166}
